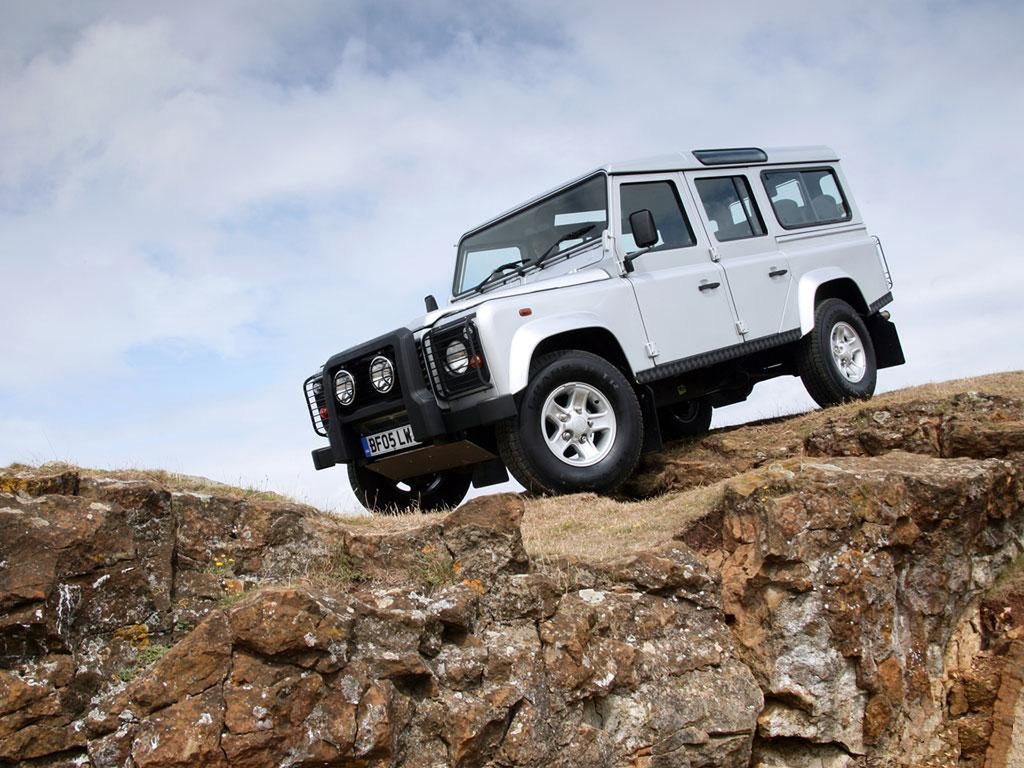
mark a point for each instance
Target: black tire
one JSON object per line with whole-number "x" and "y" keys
{"x": 819, "y": 369}
{"x": 429, "y": 493}
{"x": 691, "y": 418}
{"x": 523, "y": 444}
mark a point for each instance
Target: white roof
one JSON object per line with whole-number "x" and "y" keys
{"x": 686, "y": 161}
{"x": 680, "y": 161}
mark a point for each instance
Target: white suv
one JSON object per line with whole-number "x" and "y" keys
{"x": 601, "y": 318}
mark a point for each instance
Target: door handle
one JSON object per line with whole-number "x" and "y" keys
{"x": 707, "y": 286}
{"x": 777, "y": 272}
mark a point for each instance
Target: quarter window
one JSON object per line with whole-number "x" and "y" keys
{"x": 730, "y": 208}
{"x": 806, "y": 198}
{"x": 662, "y": 200}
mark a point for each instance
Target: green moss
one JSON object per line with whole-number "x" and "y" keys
{"x": 146, "y": 657}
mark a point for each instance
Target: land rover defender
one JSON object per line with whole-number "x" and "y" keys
{"x": 608, "y": 315}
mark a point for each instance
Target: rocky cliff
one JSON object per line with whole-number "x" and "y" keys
{"x": 844, "y": 588}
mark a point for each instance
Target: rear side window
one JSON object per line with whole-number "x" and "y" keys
{"x": 806, "y": 198}
{"x": 662, "y": 200}
{"x": 732, "y": 213}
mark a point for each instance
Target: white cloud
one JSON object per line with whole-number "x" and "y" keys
{"x": 272, "y": 184}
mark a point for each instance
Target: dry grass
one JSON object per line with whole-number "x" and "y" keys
{"x": 598, "y": 528}
{"x": 383, "y": 524}
{"x": 173, "y": 481}
{"x": 798, "y": 426}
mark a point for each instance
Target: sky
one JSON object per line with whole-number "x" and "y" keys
{"x": 201, "y": 202}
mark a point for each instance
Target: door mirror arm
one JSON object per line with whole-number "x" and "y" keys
{"x": 627, "y": 263}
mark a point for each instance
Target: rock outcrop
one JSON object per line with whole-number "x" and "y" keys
{"x": 853, "y": 597}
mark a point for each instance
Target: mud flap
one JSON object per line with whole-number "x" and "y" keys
{"x": 888, "y": 349}
{"x": 652, "y": 428}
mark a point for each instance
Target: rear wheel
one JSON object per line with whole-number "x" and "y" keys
{"x": 837, "y": 359}
{"x": 688, "y": 419}
{"x": 428, "y": 493}
{"x": 579, "y": 426}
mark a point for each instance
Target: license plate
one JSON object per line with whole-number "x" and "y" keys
{"x": 388, "y": 441}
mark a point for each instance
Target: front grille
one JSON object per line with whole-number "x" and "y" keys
{"x": 424, "y": 369}
{"x": 313, "y": 387}
{"x": 365, "y": 393}
{"x": 447, "y": 384}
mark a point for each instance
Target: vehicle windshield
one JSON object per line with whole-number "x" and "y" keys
{"x": 533, "y": 233}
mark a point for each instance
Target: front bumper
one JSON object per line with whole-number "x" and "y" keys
{"x": 429, "y": 422}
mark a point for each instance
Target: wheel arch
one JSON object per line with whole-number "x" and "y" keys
{"x": 581, "y": 330}
{"x": 827, "y": 283}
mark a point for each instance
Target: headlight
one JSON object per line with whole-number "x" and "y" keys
{"x": 382, "y": 374}
{"x": 456, "y": 358}
{"x": 344, "y": 387}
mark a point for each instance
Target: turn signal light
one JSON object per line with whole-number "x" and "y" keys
{"x": 323, "y": 415}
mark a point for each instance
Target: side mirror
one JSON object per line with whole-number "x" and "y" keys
{"x": 645, "y": 232}
{"x": 645, "y": 235}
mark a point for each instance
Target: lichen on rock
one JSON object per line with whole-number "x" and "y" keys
{"x": 848, "y": 592}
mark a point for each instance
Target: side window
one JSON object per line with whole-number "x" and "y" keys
{"x": 662, "y": 200}
{"x": 732, "y": 212}
{"x": 806, "y": 198}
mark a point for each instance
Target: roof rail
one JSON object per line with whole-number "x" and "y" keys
{"x": 731, "y": 156}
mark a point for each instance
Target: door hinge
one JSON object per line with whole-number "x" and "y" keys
{"x": 652, "y": 349}
{"x": 715, "y": 255}
{"x": 742, "y": 328}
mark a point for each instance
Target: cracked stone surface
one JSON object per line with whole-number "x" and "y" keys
{"x": 847, "y": 610}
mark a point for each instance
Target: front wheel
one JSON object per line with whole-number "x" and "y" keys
{"x": 837, "y": 359}
{"x": 579, "y": 426}
{"x": 428, "y": 493}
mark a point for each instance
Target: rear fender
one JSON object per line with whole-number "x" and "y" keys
{"x": 808, "y": 287}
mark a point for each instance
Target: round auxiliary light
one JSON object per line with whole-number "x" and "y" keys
{"x": 456, "y": 358}
{"x": 382, "y": 374}
{"x": 344, "y": 387}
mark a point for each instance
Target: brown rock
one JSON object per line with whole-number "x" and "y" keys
{"x": 184, "y": 734}
{"x": 839, "y": 610}
{"x": 44, "y": 481}
{"x": 1006, "y": 747}
{"x": 823, "y": 644}
{"x": 374, "y": 732}
{"x": 483, "y": 536}
{"x": 194, "y": 665}
{"x": 281, "y": 621}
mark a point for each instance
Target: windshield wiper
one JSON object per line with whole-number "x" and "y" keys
{"x": 552, "y": 248}
{"x": 500, "y": 270}
{"x": 521, "y": 265}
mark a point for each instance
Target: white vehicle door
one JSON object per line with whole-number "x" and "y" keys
{"x": 682, "y": 294}
{"x": 759, "y": 275}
